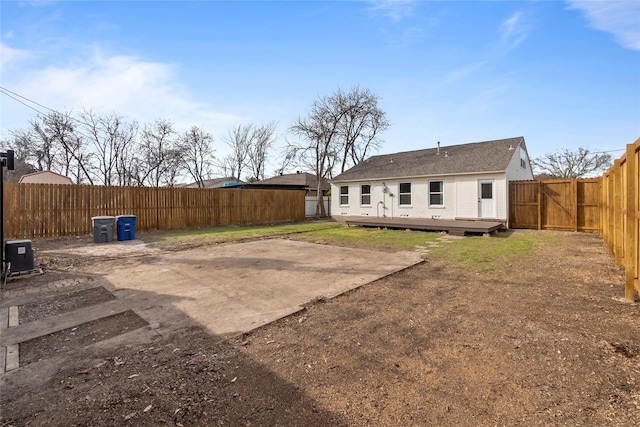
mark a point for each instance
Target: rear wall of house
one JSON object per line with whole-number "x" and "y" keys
{"x": 460, "y": 198}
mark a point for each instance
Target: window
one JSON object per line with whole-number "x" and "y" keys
{"x": 523, "y": 159}
{"x": 365, "y": 194}
{"x": 486, "y": 190}
{"x": 436, "y": 193}
{"x": 344, "y": 195}
{"x": 405, "y": 193}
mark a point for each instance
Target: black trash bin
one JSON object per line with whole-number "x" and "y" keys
{"x": 103, "y": 229}
{"x": 126, "y": 225}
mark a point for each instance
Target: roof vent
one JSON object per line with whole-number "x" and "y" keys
{"x": 391, "y": 161}
{"x": 438, "y": 151}
{"x": 511, "y": 147}
{"x": 446, "y": 154}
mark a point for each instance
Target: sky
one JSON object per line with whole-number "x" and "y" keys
{"x": 563, "y": 74}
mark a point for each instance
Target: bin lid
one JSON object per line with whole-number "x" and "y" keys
{"x": 17, "y": 242}
{"x": 125, "y": 216}
{"x": 106, "y": 217}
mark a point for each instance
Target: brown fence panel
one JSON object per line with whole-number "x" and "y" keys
{"x": 523, "y": 204}
{"x": 555, "y": 204}
{"x": 48, "y": 210}
{"x": 620, "y": 213}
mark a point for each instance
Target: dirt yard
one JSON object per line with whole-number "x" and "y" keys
{"x": 549, "y": 342}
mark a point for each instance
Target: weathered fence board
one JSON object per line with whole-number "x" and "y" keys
{"x": 620, "y": 213}
{"x": 555, "y": 204}
{"x": 48, "y": 210}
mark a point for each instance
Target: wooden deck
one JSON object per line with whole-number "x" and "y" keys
{"x": 453, "y": 227}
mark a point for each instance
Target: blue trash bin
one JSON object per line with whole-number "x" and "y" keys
{"x": 126, "y": 225}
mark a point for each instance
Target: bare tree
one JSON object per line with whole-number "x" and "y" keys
{"x": 21, "y": 165}
{"x": 239, "y": 140}
{"x": 227, "y": 166}
{"x": 53, "y": 143}
{"x": 113, "y": 140}
{"x": 263, "y": 138}
{"x": 287, "y": 158}
{"x": 361, "y": 125}
{"x": 572, "y": 164}
{"x": 74, "y": 160}
{"x": 320, "y": 131}
{"x": 26, "y": 147}
{"x": 42, "y": 143}
{"x": 172, "y": 167}
{"x": 157, "y": 147}
{"x": 343, "y": 127}
{"x": 197, "y": 153}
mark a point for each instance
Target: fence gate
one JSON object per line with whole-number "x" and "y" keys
{"x": 571, "y": 204}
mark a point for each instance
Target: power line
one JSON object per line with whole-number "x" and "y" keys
{"x": 24, "y": 97}
{"x": 2, "y": 90}
{"x": 609, "y": 151}
{"x": 11, "y": 94}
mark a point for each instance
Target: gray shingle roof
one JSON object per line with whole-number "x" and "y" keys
{"x": 299, "y": 178}
{"x": 487, "y": 156}
{"x": 213, "y": 183}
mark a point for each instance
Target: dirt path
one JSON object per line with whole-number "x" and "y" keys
{"x": 548, "y": 343}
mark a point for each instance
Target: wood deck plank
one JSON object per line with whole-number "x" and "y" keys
{"x": 454, "y": 227}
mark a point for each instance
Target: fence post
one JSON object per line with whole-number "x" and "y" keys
{"x": 574, "y": 190}
{"x": 539, "y": 205}
{"x": 631, "y": 231}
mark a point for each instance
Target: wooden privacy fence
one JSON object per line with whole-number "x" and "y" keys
{"x": 49, "y": 210}
{"x": 559, "y": 204}
{"x": 620, "y": 214}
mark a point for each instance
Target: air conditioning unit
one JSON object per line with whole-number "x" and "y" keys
{"x": 20, "y": 254}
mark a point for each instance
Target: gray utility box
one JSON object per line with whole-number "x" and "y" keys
{"x": 20, "y": 254}
{"x": 103, "y": 228}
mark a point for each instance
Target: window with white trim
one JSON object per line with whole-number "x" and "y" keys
{"x": 365, "y": 194}
{"x": 405, "y": 194}
{"x": 436, "y": 193}
{"x": 344, "y": 195}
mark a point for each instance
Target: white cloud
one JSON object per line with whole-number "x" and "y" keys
{"x": 464, "y": 72}
{"x": 10, "y": 56}
{"x": 396, "y": 10}
{"x": 126, "y": 85}
{"x": 620, "y": 18}
{"x": 514, "y": 30}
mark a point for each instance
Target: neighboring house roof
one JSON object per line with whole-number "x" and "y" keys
{"x": 44, "y": 177}
{"x": 298, "y": 179}
{"x": 477, "y": 157}
{"x": 215, "y": 183}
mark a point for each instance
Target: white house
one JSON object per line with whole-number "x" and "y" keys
{"x": 468, "y": 181}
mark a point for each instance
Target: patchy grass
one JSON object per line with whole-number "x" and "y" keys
{"x": 232, "y": 233}
{"x": 483, "y": 254}
{"x": 492, "y": 254}
{"x": 372, "y": 238}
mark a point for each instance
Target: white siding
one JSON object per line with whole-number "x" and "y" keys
{"x": 515, "y": 172}
{"x": 468, "y": 187}
{"x": 460, "y": 198}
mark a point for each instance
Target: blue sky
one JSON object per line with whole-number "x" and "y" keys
{"x": 561, "y": 74}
